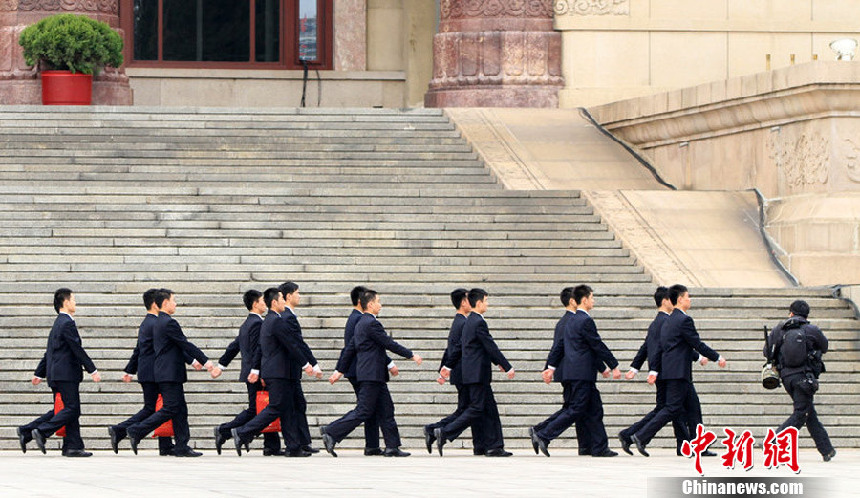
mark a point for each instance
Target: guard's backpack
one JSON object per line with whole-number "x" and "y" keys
{"x": 793, "y": 352}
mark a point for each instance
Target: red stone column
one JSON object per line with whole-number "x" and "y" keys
{"x": 496, "y": 53}
{"x": 19, "y": 84}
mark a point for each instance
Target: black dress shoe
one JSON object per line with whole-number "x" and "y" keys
{"x": 328, "y": 441}
{"x": 829, "y": 456}
{"x": 533, "y": 437}
{"x": 134, "y": 441}
{"x": 299, "y": 453}
{"x": 605, "y": 454}
{"x": 237, "y": 441}
{"x": 77, "y": 454}
{"x": 639, "y": 446}
{"x": 498, "y": 452}
{"x": 709, "y": 453}
{"x": 310, "y": 449}
{"x": 268, "y": 452}
{"x": 166, "y": 452}
{"x": 40, "y": 440}
{"x": 429, "y": 439}
{"x": 625, "y": 443}
{"x": 187, "y": 453}
{"x": 23, "y": 439}
{"x": 584, "y": 452}
{"x": 219, "y": 440}
{"x": 114, "y": 439}
{"x": 373, "y": 452}
{"x": 479, "y": 452}
{"x": 440, "y": 439}
{"x": 395, "y": 452}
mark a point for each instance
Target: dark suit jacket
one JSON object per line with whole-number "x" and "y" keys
{"x": 247, "y": 343}
{"x": 584, "y": 353}
{"x": 142, "y": 361}
{"x": 282, "y": 356}
{"x": 650, "y": 349}
{"x": 479, "y": 352}
{"x": 680, "y": 342}
{"x": 348, "y": 333}
{"x": 64, "y": 355}
{"x": 171, "y": 347}
{"x": 558, "y": 341}
{"x": 455, "y": 336}
{"x": 367, "y": 350}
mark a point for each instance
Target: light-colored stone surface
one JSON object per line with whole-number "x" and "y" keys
{"x": 350, "y": 35}
{"x": 421, "y": 475}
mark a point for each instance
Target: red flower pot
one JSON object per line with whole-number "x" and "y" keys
{"x": 66, "y": 88}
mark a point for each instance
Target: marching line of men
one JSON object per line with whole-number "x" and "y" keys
{"x": 274, "y": 355}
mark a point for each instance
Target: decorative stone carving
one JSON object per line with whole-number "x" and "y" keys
{"x": 592, "y": 7}
{"x": 104, "y": 6}
{"x": 805, "y": 161}
{"x": 456, "y": 9}
{"x": 851, "y": 153}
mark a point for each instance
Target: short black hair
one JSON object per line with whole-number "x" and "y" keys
{"x": 149, "y": 298}
{"x": 799, "y": 308}
{"x": 288, "y": 288}
{"x": 61, "y": 295}
{"x": 269, "y": 295}
{"x": 675, "y": 292}
{"x": 366, "y": 298}
{"x": 355, "y": 294}
{"x": 580, "y": 292}
{"x": 162, "y": 295}
{"x": 660, "y": 294}
{"x": 566, "y": 296}
{"x": 251, "y": 297}
{"x": 476, "y": 295}
{"x": 457, "y": 296}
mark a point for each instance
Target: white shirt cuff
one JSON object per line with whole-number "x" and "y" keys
{"x": 221, "y": 367}
{"x": 654, "y": 373}
{"x": 445, "y": 368}
{"x": 317, "y": 368}
{"x": 40, "y": 378}
{"x": 255, "y": 371}
{"x": 391, "y": 365}
{"x": 95, "y": 371}
{"x": 720, "y": 358}
{"x": 699, "y": 358}
{"x": 306, "y": 365}
{"x": 128, "y": 373}
{"x": 550, "y": 367}
{"x": 634, "y": 370}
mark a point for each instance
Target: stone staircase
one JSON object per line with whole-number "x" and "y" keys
{"x": 112, "y": 201}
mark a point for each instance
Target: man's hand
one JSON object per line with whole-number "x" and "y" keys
{"x": 547, "y": 375}
{"x": 630, "y": 375}
{"x": 215, "y": 372}
{"x": 36, "y": 381}
{"x": 253, "y": 378}
{"x": 317, "y": 371}
{"x": 335, "y": 377}
{"x": 510, "y": 373}
{"x": 441, "y": 380}
{"x": 209, "y": 366}
{"x": 196, "y": 364}
{"x": 722, "y": 362}
{"x": 652, "y": 379}
{"x": 126, "y": 378}
{"x": 309, "y": 369}
{"x": 616, "y": 373}
{"x": 97, "y": 377}
{"x": 417, "y": 359}
{"x": 606, "y": 373}
{"x": 703, "y": 361}
{"x": 445, "y": 373}
{"x": 263, "y": 382}
{"x": 394, "y": 371}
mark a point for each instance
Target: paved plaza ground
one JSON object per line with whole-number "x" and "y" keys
{"x": 353, "y": 475}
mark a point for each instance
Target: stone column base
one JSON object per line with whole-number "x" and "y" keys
{"x": 494, "y": 96}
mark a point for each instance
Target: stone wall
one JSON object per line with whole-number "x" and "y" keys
{"x": 791, "y": 133}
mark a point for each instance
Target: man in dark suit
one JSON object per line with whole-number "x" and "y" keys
{"x": 800, "y": 380}
{"x": 61, "y": 365}
{"x": 681, "y": 345}
{"x": 583, "y": 437}
{"x": 367, "y": 350}
{"x": 248, "y": 344}
{"x": 171, "y": 348}
{"x": 371, "y": 425}
{"x": 281, "y": 364}
{"x": 477, "y": 352}
{"x": 583, "y": 354}
{"x": 460, "y": 300}
{"x": 142, "y": 363}
{"x": 651, "y": 351}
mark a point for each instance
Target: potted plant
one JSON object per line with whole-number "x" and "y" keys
{"x": 70, "y": 49}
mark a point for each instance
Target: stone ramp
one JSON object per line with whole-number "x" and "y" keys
{"x": 211, "y": 203}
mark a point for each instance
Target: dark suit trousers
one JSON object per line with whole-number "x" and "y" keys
{"x": 584, "y": 406}
{"x": 300, "y": 414}
{"x": 371, "y": 426}
{"x": 482, "y": 409}
{"x": 583, "y": 438}
{"x": 150, "y": 398}
{"x": 271, "y": 440}
{"x": 477, "y": 426}
{"x": 374, "y": 399}
{"x": 174, "y": 409}
{"x": 680, "y": 425}
{"x": 69, "y": 416}
{"x": 804, "y": 412}
{"x": 281, "y": 401}
{"x": 682, "y": 405}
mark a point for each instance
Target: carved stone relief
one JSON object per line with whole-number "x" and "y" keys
{"x": 592, "y": 7}
{"x": 851, "y": 153}
{"x": 105, "y": 6}
{"x": 456, "y": 9}
{"x": 805, "y": 161}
